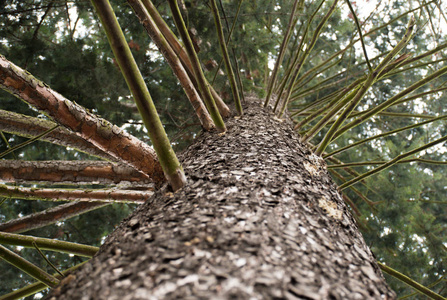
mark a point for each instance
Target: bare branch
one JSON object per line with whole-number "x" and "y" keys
{"x": 50, "y": 216}
{"x": 68, "y": 171}
{"x": 174, "y": 62}
{"x": 29, "y": 127}
{"x": 106, "y": 195}
{"x": 107, "y": 137}
{"x": 47, "y": 244}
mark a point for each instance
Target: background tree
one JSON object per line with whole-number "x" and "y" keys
{"x": 400, "y": 209}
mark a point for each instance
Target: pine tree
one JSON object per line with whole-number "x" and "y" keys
{"x": 249, "y": 209}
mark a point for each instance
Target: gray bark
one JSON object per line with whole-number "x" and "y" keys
{"x": 260, "y": 219}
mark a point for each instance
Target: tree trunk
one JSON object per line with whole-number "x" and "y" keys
{"x": 259, "y": 219}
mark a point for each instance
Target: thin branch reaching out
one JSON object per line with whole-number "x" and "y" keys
{"x": 305, "y": 55}
{"x": 282, "y": 51}
{"x": 35, "y": 287}
{"x": 174, "y": 62}
{"x": 47, "y": 244}
{"x": 46, "y": 259}
{"x": 203, "y": 84}
{"x": 181, "y": 53}
{"x": 371, "y": 163}
{"x": 372, "y": 31}
{"x": 392, "y": 162}
{"x": 370, "y": 203}
{"x": 30, "y": 141}
{"x": 226, "y": 58}
{"x": 439, "y": 280}
{"x": 30, "y": 127}
{"x": 101, "y": 133}
{"x": 238, "y": 74}
{"x": 372, "y": 77}
{"x": 50, "y": 216}
{"x": 407, "y": 280}
{"x": 359, "y": 29}
{"x": 353, "y": 172}
{"x": 8, "y": 145}
{"x": 340, "y": 101}
{"x": 113, "y": 195}
{"x": 389, "y": 102}
{"x": 27, "y": 267}
{"x": 227, "y": 42}
{"x": 382, "y": 135}
{"x": 166, "y": 156}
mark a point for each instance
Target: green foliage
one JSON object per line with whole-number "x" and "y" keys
{"x": 407, "y": 197}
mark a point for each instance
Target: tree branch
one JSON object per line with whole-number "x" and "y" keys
{"x": 47, "y": 244}
{"x": 174, "y": 62}
{"x": 30, "y": 127}
{"x": 101, "y": 133}
{"x": 50, "y": 216}
{"x": 68, "y": 171}
{"x": 110, "y": 195}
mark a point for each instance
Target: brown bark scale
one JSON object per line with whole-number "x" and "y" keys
{"x": 259, "y": 219}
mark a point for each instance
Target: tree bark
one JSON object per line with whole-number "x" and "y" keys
{"x": 101, "y": 133}
{"x": 30, "y": 127}
{"x": 93, "y": 195}
{"x": 259, "y": 219}
{"x": 71, "y": 171}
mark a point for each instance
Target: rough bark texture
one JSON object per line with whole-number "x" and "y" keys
{"x": 93, "y": 195}
{"x": 30, "y": 127}
{"x": 73, "y": 171}
{"x": 260, "y": 219}
{"x": 101, "y": 133}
